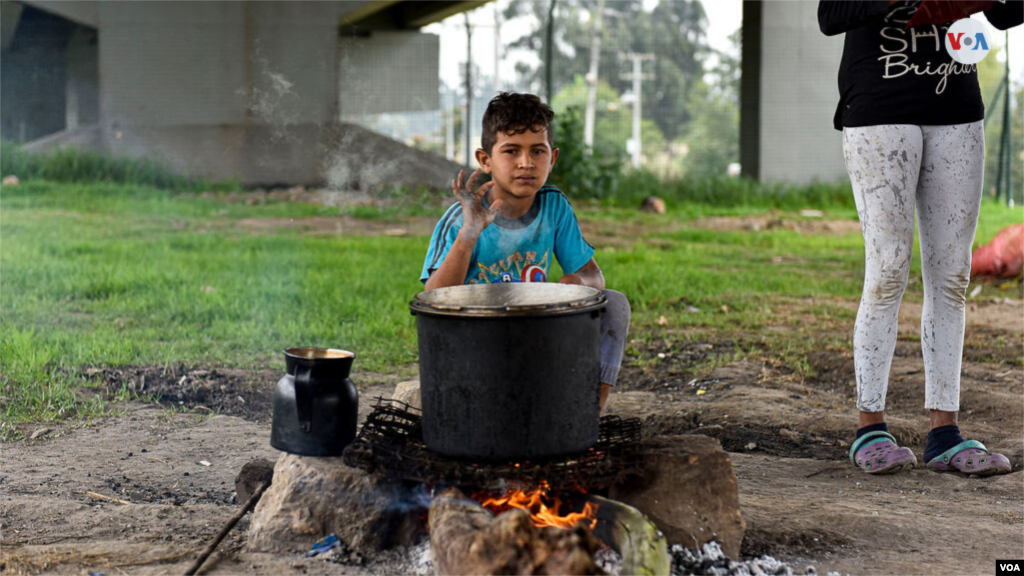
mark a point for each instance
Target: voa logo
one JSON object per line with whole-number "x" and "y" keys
{"x": 967, "y": 41}
{"x": 1008, "y": 567}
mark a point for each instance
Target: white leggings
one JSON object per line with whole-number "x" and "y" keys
{"x": 894, "y": 168}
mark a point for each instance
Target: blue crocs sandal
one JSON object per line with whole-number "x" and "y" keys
{"x": 970, "y": 457}
{"x": 877, "y": 453}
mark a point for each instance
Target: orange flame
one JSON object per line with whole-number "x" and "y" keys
{"x": 543, "y": 505}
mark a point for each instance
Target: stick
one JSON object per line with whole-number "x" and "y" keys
{"x": 227, "y": 528}
{"x": 107, "y": 498}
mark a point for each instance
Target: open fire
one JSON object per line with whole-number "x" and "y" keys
{"x": 543, "y": 504}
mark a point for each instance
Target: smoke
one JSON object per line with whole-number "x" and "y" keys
{"x": 271, "y": 98}
{"x": 354, "y": 165}
{"x": 344, "y": 171}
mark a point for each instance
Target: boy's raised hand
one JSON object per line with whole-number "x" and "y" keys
{"x": 474, "y": 216}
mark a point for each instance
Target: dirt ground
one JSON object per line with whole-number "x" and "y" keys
{"x": 174, "y": 461}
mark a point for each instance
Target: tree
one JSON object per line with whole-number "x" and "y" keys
{"x": 674, "y": 32}
{"x": 713, "y": 138}
{"x": 990, "y": 76}
{"x": 613, "y": 122}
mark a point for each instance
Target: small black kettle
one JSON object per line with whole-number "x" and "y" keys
{"x": 315, "y": 403}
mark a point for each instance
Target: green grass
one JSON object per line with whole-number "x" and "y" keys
{"x": 727, "y": 192}
{"x": 108, "y": 274}
{"x": 70, "y": 165}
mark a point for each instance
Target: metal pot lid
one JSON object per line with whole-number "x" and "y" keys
{"x": 508, "y": 299}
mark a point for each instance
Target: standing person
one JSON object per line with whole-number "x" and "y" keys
{"x": 912, "y": 122}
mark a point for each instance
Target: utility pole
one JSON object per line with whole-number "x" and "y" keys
{"x": 469, "y": 89}
{"x": 637, "y": 76}
{"x": 595, "y": 60}
{"x": 497, "y": 49}
{"x": 549, "y": 45}
{"x": 449, "y": 124}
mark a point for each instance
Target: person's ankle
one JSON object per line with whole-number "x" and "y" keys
{"x": 940, "y": 439}
{"x": 880, "y": 427}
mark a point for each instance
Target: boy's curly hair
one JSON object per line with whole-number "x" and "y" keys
{"x": 515, "y": 113}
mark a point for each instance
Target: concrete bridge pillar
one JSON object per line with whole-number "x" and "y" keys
{"x": 788, "y": 94}
{"x": 253, "y": 90}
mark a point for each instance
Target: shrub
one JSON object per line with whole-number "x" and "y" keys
{"x": 580, "y": 172}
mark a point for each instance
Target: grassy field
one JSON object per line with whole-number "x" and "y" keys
{"x": 110, "y": 274}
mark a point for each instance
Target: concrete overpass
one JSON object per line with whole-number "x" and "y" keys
{"x": 258, "y": 90}
{"x": 251, "y": 90}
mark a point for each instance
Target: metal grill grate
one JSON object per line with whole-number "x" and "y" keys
{"x": 390, "y": 443}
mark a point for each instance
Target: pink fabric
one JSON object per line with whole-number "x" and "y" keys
{"x": 945, "y": 11}
{"x": 1003, "y": 257}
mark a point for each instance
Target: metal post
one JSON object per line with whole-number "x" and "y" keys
{"x": 1006, "y": 127}
{"x": 636, "y": 76}
{"x": 449, "y": 125}
{"x": 1000, "y": 162}
{"x": 636, "y": 112}
{"x": 469, "y": 90}
{"x": 549, "y": 45}
{"x": 595, "y": 61}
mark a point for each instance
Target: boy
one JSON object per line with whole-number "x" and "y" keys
{"x": 508, "y": 229}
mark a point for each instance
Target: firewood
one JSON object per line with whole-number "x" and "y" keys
{"x": 466, "y": 538}
{"x": 642, "y": 546}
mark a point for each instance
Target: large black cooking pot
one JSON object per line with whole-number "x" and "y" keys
{"x": 509, "y": 371}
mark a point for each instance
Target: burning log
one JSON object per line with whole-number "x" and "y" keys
{"x": 466, "y": 538}
{"x": 641, "y": 544}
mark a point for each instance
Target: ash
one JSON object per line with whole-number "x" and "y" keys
{"x": 708, "y": 561}
{"x": 711, "y": 561}
{"x": 609, "y": 561}
{"x": 405, "y": 560}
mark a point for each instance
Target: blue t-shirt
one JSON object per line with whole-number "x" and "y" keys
{"x": 516, "y": 250}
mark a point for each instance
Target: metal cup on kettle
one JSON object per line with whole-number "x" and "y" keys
{"x": 315, "y": 403}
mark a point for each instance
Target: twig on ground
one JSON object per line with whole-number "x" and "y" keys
{"x": 46, "y": 543}
{"x": 98, "y": 496}
{"x": 227, "y": 528}
{"x": 830, "y": 468}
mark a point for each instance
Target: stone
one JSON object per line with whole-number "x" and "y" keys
{"x": 253, "y": 474}
{"x": 689, "y": 490}
{"x": 409, "y": 392}
{"x": 312, "y": 497}
{"x": 653, "y": 204}
{"x": 792, "y": 436}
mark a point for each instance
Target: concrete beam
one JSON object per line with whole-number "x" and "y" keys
{"x": 420, "y": 14}
{"x": 365, "y": 11}
{"x": 10, "y": 14}
{"x": 81, "y": 12}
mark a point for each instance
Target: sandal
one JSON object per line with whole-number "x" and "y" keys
{"x": 970, "y": 457}
{"x": 877, "y": 453}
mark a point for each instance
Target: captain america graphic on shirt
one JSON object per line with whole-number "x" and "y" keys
{"x": 515, "y": 268}
{"x": 519, "y": 250}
